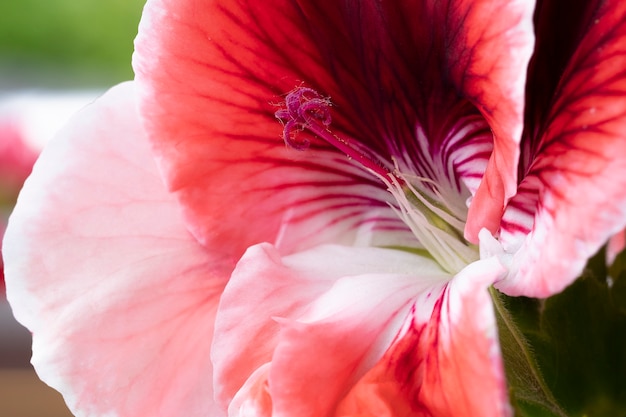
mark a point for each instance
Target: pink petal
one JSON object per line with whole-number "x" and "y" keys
{"x": 212, "y": 74}
{"x": 261, "y": 288}
{"x": 325, "y": 313}
{"x": 446, "y": 364}
{"x": 309, "y": 326}
{"x": 100, "y": 267}
{"x": 344, "y": 333}
{"x": 575, "y": 184}
{"x": 253, "y": 399}
{"x": 493, "y": 77}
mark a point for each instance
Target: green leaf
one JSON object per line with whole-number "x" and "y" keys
{"x": 528, "y": 391}
{"x": 566, "y": 355}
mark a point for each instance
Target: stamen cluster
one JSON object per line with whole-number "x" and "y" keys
{"x": 419, "y": 203}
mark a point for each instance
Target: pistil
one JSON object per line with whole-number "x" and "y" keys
{"x": 306, "y": 109}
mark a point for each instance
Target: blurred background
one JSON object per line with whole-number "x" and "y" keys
{"x": 55, "y": 57}
{"x": 66, "y": 43}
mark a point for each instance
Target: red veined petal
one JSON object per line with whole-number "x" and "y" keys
{"x": 345, "y": 332}
{"x": 444, "y": 364}
{"x": 493, "y": 76}
{"x": 212, "y": 74}
{"x": 99, "y": 265}
{"x": 572, "y": 198}
{"x": 321, "y": 317}
{"x": 559, "y": 26}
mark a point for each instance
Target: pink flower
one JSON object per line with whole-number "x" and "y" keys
{"x": 16, "y": 162}
{"x": 179, "y": 252}
{"x": 16, "y": 157}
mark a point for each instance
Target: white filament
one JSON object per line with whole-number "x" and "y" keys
{"x": 444, "y": 244}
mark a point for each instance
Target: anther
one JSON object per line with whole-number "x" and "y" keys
{"x": 306, "y": 109}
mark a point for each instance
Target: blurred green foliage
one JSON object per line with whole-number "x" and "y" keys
{"x": 75, "y": 42}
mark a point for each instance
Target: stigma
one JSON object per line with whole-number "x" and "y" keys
{"x": 307, "y": 110}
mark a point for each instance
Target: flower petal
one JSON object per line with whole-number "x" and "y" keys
{"x": 445, "y": 364}
{"x": 321, "y": 317}
{"x": 343, "y": 334}
{"x": 212, "y": 73}
{"x": 493, "y": 77}
{"x": 575, "y": 182}
{"x": 100, "y": 267}
{"x": 260, "y": 288}
{"x": 210, "y": 109}
{"x": 253, "y": 399}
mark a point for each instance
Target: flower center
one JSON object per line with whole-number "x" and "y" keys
{"x": 428, "y": 208}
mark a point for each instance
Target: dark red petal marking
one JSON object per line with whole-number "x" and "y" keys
{"x": 442, "y": 364}
{"x": 576, "y": 177}
{"x": 560, "y": 26}
{"x": 493, "y": 75}
{"x": 211, "y": 73}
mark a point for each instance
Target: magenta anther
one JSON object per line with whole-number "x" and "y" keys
{"x": 306, "y": 109}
